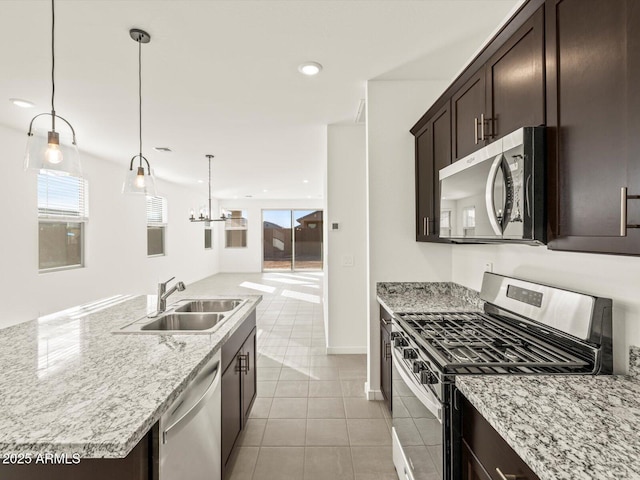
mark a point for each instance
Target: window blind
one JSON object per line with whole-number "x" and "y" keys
{"x": 62, "y": 197}
{"x": 156, "y": 211}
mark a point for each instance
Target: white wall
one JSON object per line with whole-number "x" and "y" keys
{"x": 346, "y": 204}
{"x": 616, "y": 277}
{"x": 249, "y": 259}
{"x": 115, "y": 240}
{"x": 393, "y": 107}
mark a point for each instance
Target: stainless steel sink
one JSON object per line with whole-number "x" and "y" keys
{"x": 188, "y": 316}
{"x": 182, "y": 321}
{"x": 222, "y": 305}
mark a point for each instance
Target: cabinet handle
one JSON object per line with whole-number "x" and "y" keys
{"x": 506, "y": 476}
{"x": 243, "y": 368}
{"x": 482, "y": 127}
{"x": 384, "y": 320}
{"x": 387, "y": 350}
{"x": 475, "y": 130}
{"x": 426, "y": 223}
{"x": 248, "y": 362}
{"x": 623, "y": 211}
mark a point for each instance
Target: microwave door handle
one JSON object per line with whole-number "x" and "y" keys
{"x": 489, "y": 195}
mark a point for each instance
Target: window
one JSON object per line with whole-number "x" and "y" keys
{"x": 235, "y": 228}
{"x": 468, "y": 221}
{"x": 445, "y": 223}
{"x": 62, "y": 212}
{"x": 156, "y": 225}
{"x": 208, "y": 244}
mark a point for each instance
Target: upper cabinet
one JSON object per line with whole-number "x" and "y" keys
{"x": 593, "y": 102}
{"x": 433, "y": 152}
{"x": 501, "y": 91}
{"x": 515, "y": 81}
{"x": 574, "y": 66}
{"x": 469, "y": 124}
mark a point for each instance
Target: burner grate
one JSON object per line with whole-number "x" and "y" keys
{"x": 477, "y": 340}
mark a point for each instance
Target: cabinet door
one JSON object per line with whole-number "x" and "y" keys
{"x": 471, "y": 468}
{"x": 424, "y": 184}
{"x": 441, "y": 128}
{"x": 515, "y": 81}
{"x": 231, "y": 405}
{"x": 592, "y": 102}
{"x": 467, "y": 110}
{"x": 249, "y": 374}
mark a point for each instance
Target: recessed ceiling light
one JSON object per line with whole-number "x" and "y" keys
{"x": 200, "y": 181}
{"x": 19, "y": 102}
{"x": 305, "y": 181}
{"x": 162, "y": 149}
{"x": 310, "y": 68}
{"x": 265, "y": 190}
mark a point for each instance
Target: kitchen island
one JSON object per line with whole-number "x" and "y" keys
{"x": 72, "y": 388}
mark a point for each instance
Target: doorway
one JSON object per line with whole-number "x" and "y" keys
{"x": 292, "y": 240}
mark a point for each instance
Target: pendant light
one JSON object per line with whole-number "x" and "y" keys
{"x": 51, "y": 151}
{"x": 139, "y": 180}
{"x": 202, "y": 217}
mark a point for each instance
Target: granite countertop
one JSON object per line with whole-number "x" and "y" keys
{"x": 564, "y": 427}
{"x": 404, "y": 297}
{"x": 69, "y": 385}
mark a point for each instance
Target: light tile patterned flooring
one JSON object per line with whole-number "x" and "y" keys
{"x": 310, "y": 420}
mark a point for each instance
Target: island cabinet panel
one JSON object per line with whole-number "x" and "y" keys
{"x": 484, "y": 451}
{"x": 468, "y": 113}
{"x": 433, "y": 152}
{"x": 385, "y": 357}
{"x": 140, "y": 464}
{"x": 515, "y": 81}
{"x": 238, "y": 388}
{"x": 593, "y": 101}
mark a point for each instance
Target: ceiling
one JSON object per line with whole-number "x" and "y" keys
{"x": 221, "y": 77}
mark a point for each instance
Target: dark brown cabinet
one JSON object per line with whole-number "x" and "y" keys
{"x": 433, "y": 152}
{"x": 593, "y": 104}
{"x": 501, "y": 91}
{"x": 469, "y": 122}
{"x": 485, "y": 453}
{"x": 385, "y": 356}
{"x": 238, "y": 384}
{"x": 515, "y": 82}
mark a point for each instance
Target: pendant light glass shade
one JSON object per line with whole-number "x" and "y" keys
{"x": 139, "y": 181}
{"x": 48, "y": 149}
{"x": 51, "y": 150}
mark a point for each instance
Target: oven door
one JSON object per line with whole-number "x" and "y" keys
{"x": 417, "y": 425}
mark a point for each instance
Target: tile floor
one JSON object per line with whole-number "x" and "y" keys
{"x": 310, "y": 420}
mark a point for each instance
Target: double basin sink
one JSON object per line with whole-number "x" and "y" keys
{"x": 187, "y": 316}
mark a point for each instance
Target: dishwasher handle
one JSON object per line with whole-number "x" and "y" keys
{"x": 214, "y": 376}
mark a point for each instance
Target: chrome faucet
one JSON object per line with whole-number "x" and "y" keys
{"x": 163, "y": 294}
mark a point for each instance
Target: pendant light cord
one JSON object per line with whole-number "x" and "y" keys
{"x": 53, "y": 66}
{"x": 140, "y": 95}
{"x": 210, "y": 212}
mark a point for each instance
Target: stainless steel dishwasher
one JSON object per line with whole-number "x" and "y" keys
{"x": 190, "y": 429}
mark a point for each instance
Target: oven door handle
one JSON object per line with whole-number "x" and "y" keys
{"x": 426, "y": 396}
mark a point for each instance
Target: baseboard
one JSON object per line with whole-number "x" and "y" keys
{"x": 372, "y": 394}
{"x": 346, "y": 350}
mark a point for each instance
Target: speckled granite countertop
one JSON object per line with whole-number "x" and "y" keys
{"x": 69, "y": 385}
{"x": 400, "y": 297}
{"x": 564, "y": 427}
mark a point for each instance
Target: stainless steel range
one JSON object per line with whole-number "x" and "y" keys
{"x": 526, "y": 328}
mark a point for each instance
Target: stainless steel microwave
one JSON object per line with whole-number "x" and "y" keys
{"x": 497, "y": 194}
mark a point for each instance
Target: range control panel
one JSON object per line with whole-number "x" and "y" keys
{"x": 525, "y": 296}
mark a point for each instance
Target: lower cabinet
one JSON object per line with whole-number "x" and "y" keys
{"x": 485, "y": 455}
{"x": 385, "y": 356}
{"x": 238, "y": 388}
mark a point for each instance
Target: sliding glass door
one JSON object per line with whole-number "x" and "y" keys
{"x": 292, "y": 240}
